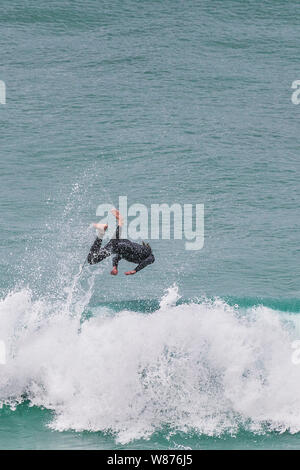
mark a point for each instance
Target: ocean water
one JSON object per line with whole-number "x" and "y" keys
{"x": 163, "y": 102}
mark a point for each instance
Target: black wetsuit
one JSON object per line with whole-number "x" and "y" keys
{"x": 121, "y": 248}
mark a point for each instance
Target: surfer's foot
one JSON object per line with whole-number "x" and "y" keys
{"x": 101, "y": 228}
{"x": 114, "y": 271}
{"x": 118, "y": 216}
{"x": 130, "y": 272}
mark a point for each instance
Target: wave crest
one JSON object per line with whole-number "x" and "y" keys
{"x": 206, "y": 367}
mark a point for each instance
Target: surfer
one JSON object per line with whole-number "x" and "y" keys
{"x": 121, "y": 248}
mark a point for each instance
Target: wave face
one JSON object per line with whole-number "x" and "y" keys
{"x": 204, "y": 367}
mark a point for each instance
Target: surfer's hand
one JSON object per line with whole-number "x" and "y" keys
{"x": 130, "y": 272}
{"x": 114, "y": 271}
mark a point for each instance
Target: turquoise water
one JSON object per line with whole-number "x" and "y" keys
{"x": 161, "y": 101}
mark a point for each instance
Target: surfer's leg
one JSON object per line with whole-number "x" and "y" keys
{"x": 118, "y": 216}
{"x": 97, "y": 253}
{"x": 117, "y": 235}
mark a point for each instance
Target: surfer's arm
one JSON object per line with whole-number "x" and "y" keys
{"x": 116, "y": 260}
{"x": 149, "y": 260}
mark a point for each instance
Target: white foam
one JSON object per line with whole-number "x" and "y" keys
{"x": 206, "y": 367}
